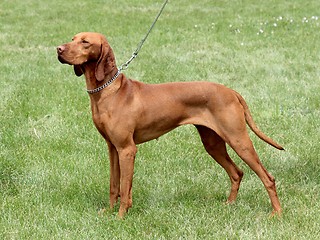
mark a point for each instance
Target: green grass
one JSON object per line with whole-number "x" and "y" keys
{"x": 54, "y": 169}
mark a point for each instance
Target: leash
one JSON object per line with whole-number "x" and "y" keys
{"x": 135, "y": 53}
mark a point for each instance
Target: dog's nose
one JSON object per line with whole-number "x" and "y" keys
{"x": 60, "y": 49}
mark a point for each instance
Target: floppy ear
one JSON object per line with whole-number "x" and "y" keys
{"x": 106, "y": 62}
{"x": 77, "y": 70}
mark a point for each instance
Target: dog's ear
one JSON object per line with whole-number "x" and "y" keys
{"x": 106, "y": 62}
{"x": 77, "y": 70}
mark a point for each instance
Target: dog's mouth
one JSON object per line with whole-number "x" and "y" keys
{"x": 62, "y": 60}
{"x": 65, "y": 59}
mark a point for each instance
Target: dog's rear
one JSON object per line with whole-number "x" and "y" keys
{"x": 253, "y": 125}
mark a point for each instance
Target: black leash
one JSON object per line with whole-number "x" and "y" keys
{"x": 135, "y": 53}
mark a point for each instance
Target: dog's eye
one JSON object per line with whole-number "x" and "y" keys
{"x": 84, "y": 41}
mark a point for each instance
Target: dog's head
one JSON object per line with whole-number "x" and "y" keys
{"x": 88, "y": 47}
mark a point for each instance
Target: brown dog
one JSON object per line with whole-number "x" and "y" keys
{"x": 128, "y": 112}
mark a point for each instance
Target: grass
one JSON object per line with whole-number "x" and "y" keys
{"x": 54, "y": 165}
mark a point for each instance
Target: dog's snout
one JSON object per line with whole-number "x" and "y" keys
{"x": 60, "y": 49}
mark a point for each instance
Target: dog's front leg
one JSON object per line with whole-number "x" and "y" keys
{"x": 126, "y": 162}
{"x": 114, "y": 175}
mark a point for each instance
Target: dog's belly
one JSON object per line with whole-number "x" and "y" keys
{"x": 153, "y": 130}
{"x": 145, "y": 136}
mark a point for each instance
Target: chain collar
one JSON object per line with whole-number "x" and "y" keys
{"x": 98, "y": 89}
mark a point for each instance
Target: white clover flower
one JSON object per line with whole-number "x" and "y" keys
{"x": 260, "y": 32}
{"x": 279, "y": 18}
{"x": 275, "y": 25}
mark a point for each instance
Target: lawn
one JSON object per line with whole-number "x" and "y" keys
{"x": 54, "y": 167}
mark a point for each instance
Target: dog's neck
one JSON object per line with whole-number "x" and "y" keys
{"x": 95, "y": 86}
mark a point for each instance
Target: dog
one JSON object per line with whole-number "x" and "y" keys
{"x": 128, "y": 112}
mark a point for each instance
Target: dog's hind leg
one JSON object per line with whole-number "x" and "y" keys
{"x": 236, "y": 136}
{"x": 243, "y": 146}
{"x": 216, "y": 147}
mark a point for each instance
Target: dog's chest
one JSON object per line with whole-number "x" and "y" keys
{"x": 100, "y": 118}
{"x": 104, "y": 121}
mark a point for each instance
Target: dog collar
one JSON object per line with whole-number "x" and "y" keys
{"x": 98, "y": 89}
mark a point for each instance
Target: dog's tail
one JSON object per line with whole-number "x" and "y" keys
{"x": 253, "y": 125}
